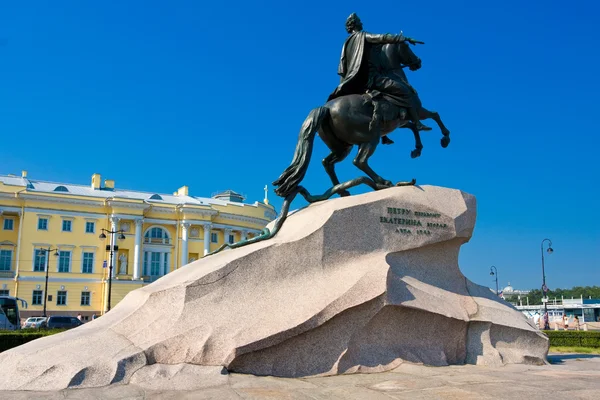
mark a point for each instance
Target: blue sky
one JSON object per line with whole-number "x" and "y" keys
{"x": 157, "y": 95}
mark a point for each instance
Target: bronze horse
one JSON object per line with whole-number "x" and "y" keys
{"x": 350, "y": 120}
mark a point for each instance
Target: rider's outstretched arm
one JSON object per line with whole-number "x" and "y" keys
{"x": 385, "y": 38}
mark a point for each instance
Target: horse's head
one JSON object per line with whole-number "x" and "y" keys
{"x": 400, "y": 54}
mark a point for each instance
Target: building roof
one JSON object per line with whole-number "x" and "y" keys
{"x": 38, "y": 186}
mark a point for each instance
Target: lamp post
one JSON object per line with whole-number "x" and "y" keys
{"x": 544, "y": 287}
{"x": 492, "y": 273}
{"x": 112, "y": 247}
{"x": 46, "y": 253}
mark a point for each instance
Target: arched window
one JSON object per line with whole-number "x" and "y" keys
{"x": 155, "y": 197}
{"x": 157, "y": 235}
{"x": 61, "y": 189}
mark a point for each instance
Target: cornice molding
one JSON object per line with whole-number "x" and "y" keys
{"x": 208, "y": 212}
{"x": 10, "y": 209}
{"x": 163, "y": 210}
{"x": 5, "y": 195}
{"x": 252, "y": 220}
{"x": 48, "y": 211}
{"x": 98, "y": 202}
{"x": 58, "y": 279}
{"x": 127, "y": 204}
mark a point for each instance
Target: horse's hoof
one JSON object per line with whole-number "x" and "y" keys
{"x": 415, "y": 153}
{"x": 384, "y": 184}
{"x": 344, "y": 193}
{"x": 445, "y": 141}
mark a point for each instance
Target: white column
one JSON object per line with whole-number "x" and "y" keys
{"x": 18, "y": 249}
{"x": 114, "y": 223}
{"x": 184, "y": 243}
{"x": 226, "y": 233}
{"x": 207, "y": 228}
{"x": 137, "y": 250}
{"x": 244, "y": 234}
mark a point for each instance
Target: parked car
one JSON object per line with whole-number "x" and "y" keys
{"x": 57, "y": 321}
{"x": 34, "y": 322}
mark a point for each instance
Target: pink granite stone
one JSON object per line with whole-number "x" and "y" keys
{"x": 354, "y": 284}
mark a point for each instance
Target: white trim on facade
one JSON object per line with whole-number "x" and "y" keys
{"x": 243, "y": 218}
{"x": 3, "y": 209}
{"x": 127, "y": 216}
{"x": 50, "y": 212}
{"x": 42, "y": 279}
{"x": 160, "y": 221}
{"x": 41, "y": 245}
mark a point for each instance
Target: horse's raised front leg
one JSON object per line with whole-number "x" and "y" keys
{"x": 365, "y": 151}
{"x": 425, "y": 114}
{"x": 336, "y": 155}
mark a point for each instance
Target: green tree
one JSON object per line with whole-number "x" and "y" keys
{"x": 535, "y": 295}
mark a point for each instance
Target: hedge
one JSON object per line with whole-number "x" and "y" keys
{"x": 574, "y": 338}
{"x": 10, "y": 339}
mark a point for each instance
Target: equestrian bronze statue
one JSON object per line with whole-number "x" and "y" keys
{"x": 372, "y": 100}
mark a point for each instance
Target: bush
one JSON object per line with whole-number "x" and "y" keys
{"x": 574, "y": 338}
{"x": 10, "y": 339}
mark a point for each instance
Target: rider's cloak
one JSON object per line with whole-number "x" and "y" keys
{"x": 353, "y": 67}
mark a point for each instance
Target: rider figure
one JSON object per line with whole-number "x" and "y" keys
{"x": 359, "y": 73}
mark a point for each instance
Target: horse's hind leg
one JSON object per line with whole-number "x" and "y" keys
{"x": 418, "y": 145}
{"x": 365, "y": 151}
{"x": 425, "y": 114}
{"x": 339, "y": 151}
{"x": 337, "y": 154}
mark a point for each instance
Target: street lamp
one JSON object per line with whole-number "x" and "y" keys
{"x": 112, "y": 247}
{"x": 544, "y": 287}
{"x": 492, "y": 273}
{"x": 46, "y": 253}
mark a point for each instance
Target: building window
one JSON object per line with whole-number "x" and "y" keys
{"x": 61, "y": 298}
{"x": 39, "y": 262}
{"x": 66, "y": 226}
{"x": 231, "y": 238}
{"x": 36, "y": 299}
{"x": 5, "y": 260}
{"x": 64, "y": 261}
{"x": 88, "y": 263}
{"x": 90, "y": 227}
{"x": 214, "y": 237}
{"x": 9, "y": 224}
{"x": 4, "y": 292}
{"x": 85, "y": 298}
{"x": 43, "y": 224}
{"x": 156, "y": 235}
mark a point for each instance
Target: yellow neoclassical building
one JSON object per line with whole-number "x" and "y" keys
{"x": 161, "y": 232}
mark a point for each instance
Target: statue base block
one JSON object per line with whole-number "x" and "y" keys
{"x": 354, "y": 284}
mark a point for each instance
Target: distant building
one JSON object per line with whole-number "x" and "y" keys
{"x": 509, "y": 291}
{"x": 587, "y": 310}
{"x": 163, "y": 232}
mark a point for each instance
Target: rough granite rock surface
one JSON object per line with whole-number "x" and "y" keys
{"x": 354, "y": 284}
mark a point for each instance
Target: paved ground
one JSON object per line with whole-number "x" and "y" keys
{"x": 570, "y": 376}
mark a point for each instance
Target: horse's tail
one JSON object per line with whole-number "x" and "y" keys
{"x": 289, "y": 180}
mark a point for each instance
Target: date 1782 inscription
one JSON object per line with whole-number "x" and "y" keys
{"x": 413, "y": 222}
